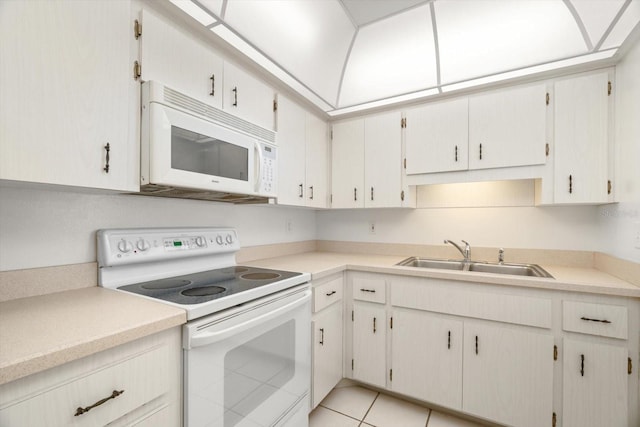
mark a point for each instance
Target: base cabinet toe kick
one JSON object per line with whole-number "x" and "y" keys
{"x": 513, "y": 356}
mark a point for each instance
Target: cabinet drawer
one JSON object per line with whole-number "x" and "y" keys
{"x": 326, "y": 294}
{"x": 368, "y": 289}
{"x": 141, "y": 379}
{"x": 595, "y": 319}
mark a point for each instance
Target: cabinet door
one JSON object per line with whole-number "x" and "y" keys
{"x": 66, "y": 86}
{"x": 426, "y": 356}
{"x": 508, "y": 375}
{"x": 383, "y": 161}
{"x": 179, "y": 61}
{"x": 347, "y": 164}
{"x": 594, "y": 385}
{"x": 290, "y": 138}
{"x": 316, "y": 162}
{"x": 581, "y": 139}
{"x": 247, "y": 97}
{"x": 327, "y": 351}
{"x": 437, "y": 137}
{"x": 508, "y": 128}
{"x": 369, "y": 343}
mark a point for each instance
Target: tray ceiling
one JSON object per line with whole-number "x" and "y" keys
{"x": 350, "y": 55}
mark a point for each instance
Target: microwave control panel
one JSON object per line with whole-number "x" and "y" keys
{"x": 269, "y": 176}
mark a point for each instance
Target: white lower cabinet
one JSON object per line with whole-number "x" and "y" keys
{"x": 136, "y": 384}
{"x": 595, "y": 382}
{"x": 369, "y": 343}
{"x": 327, "y": 337}
{"x": 508, "y": 374}
{"x": 426, "y": 357}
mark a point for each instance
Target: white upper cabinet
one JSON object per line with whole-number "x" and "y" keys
{"x": 66, "y": 108}
{"x": 581, "y": 142}
{"x": 179, "y": 61}
{"x": 302, "y": 156}
{"x": 437, "y": 137}
{"x": 247, "y": 97}
{"x": 316, "y": 155}
{"x": 290, "y": 138}
{"x": 383, "y": 160}
{"x": 347, "y": 161}
{"x": 508, "y": 127}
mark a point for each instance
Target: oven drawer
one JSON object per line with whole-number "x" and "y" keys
{"x": 595, "y": 319}
{"x": 121, "y": 387}
{"x": 326, "y": 294}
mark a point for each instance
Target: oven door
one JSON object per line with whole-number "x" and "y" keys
{"x": 249, "y": 366}
{"x": 182, "y": 150}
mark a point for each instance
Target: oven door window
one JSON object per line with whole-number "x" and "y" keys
{"x": 194, "y": 152}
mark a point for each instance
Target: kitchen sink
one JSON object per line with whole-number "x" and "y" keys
{"x": 532, "y": 270}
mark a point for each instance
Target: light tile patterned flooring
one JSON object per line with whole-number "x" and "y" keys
{"x": 350, "y": 405}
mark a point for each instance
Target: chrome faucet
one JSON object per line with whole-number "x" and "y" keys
{"x": 466, "y": 253}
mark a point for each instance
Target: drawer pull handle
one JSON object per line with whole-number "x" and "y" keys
{"x": 595, "y": 320}
{"x": 374, "y": 325}
{"x": 107, "y": 149}
{"x": 476, "y": 344}
{"x": 321, "y": 336}
{"x": 81, "y": 411}
{"x": 368, "y": 290}
{"x": 582, "y": 365}
{"x": 330, "y": 293}
{"x": 449, "y": 341}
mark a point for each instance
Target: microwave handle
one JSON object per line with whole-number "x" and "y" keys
{"x": 258, "y": 148}
{"x": 205, "y": 338}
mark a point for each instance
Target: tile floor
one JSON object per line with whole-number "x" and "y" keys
{"x": 350, "y": 405}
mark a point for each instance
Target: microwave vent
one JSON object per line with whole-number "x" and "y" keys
{"x": 187, "y": 193}
{"x": 193, "y": 105}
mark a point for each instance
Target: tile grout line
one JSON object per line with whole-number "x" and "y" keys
{"x": 368, "y": 410}
{"x": 338, "y": 412}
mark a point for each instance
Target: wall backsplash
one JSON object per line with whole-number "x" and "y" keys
{"x": 40, "y": 228}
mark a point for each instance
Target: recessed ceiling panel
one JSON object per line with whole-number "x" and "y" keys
{"x": 366, "y": 11}
{"x": 596, "y": 15}
{"x": 625, "y": 25}
{"x": 484, "y": 37}
{"x": 310, "y": 39}
{"x": 391, "y": 57}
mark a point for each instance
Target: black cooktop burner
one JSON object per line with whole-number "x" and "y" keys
{"x": 205, "y": 286}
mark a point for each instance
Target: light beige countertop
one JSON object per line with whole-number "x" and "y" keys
{"x": 322, "y": 264}
{"x": 41, "y": 332}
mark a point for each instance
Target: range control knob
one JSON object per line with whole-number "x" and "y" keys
{"x": 200, "y": 241}
{"x": 229, "y": 238}
{"x": 219, "y": 239}
{"x": 142, "y": 245}
{"x": 125, "y": 246}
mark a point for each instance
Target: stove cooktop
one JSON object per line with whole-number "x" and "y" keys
{"x": 197, "y": 288}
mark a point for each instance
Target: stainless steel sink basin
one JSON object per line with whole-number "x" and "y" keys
{"x": 441, "y": 264}
{"x": 532, "y": 270}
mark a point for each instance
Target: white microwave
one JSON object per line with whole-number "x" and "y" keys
{"x": 191, "y": 149}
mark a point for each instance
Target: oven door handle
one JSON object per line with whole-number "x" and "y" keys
{"x": 206, "y": 338}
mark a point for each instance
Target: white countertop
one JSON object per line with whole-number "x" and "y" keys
{"x": 41, "y": 332}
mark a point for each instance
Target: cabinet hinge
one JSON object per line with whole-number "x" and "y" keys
{"x": 629, "y": 366}
{"x": 275, "y": 105}
{"x": 403, "y": 123}
{"x": 609, "y": 186}
{"x": 555, "y": 352}
{"x": 390, "y": 374}
{"x": 137, "y": 29}
{"x": 609, "y": 88}
{"x": 553, "y": 420}
{"x": 391, "y": 323}
{"x": 137, "y": 70}
{"x": 352, "y": 364}
{"x": 547, "y": 98}
{"x": 546, "y": 149}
